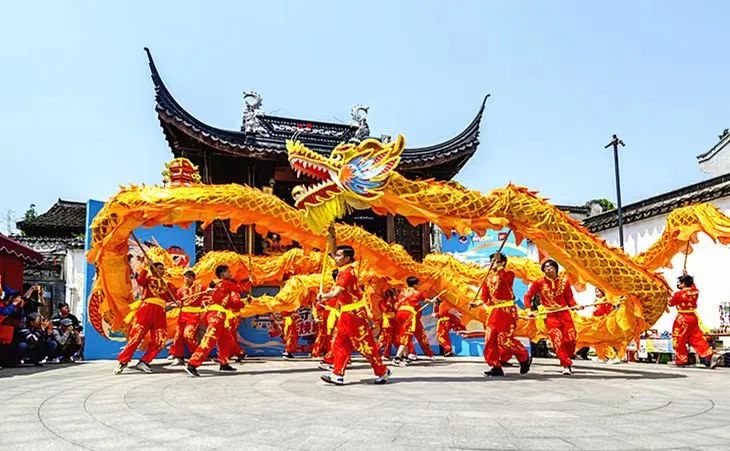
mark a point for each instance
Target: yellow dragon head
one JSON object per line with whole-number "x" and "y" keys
{"x": 351, "y": 177}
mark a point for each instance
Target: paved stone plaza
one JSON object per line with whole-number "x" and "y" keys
{"x": 272, "y": 403}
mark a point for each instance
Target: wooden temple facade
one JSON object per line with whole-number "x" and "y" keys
{"x": 256, "y": 156}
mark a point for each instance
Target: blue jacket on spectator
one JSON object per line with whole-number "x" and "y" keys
{"x": 7, "y": 310}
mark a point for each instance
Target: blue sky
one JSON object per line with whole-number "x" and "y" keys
{"x": 77, "y": 105}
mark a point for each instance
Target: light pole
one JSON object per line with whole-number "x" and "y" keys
{"x": 615, "y": 142}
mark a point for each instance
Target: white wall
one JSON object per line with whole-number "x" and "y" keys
{"x": 74, "y": 267}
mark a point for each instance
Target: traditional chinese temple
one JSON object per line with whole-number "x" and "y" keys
{"x": 256, "y": 156}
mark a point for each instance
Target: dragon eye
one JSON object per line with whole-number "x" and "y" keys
{"x": 336, "y": 156}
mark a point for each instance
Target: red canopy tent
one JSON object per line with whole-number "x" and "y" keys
{"x": 13, "y": 256}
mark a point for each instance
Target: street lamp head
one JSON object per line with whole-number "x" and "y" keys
{"x": 615, "y": 142}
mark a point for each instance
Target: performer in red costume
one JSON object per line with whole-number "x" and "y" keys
{"x": 408, "y": 306}
{"x": 186, "y": 330}
{"x": 686, "y": 328}
{"x": 555, "y": 293}
{"x": 388, "y": 324}
{"x": 353, "y": 328}
{"x": 332, "y": 315}
{"x": 236, "y": 350}
{"x": 217, "y": 319}
{"x": 420, "y": 336}
{"x": 290, "y": 335}
{"x": 605, "y": 353}
{"x": 499, "y": 301}
{"x": 326, "y": 320}
{"x": 603, "y": 308}
{"x": 446, "y": 322}
{"x": 149, "y": 317}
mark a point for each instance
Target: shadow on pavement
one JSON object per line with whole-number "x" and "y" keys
{"x": 25, "y": 370}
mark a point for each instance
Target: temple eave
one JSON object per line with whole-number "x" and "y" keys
{"x": 184, "y": 132}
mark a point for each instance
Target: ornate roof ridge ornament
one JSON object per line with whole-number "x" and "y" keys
{"x": 359, "y": 121}
{"x": 252, "y": 114}
{"x": 180, "y": 172}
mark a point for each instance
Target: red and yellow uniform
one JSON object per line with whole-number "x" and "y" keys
{"x": 446, "y": 322}
{"x": 602, "y": 309}
{"x": 186, "y": 331}
{"x": 326, "y": 324}
{"x": 217, "y": 319}
{"x": 603, "y": 351}
{"x": 388, "y": 325}
{"x": 290, "y": 335}
{"x": 499, "y": 300}
{"x": 149, "y": 317}
{"x": 420, "y": 335}
{"x": 407, "y": 304}
{"x": 326, "y": 317}
{"x": 353, "y": 329}
{"x": 236, "y": 307}
{"x": 686, "y": 328}
{"x": 554, "y": 294}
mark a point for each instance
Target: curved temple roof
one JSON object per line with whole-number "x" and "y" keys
{"x": 184, "y": 132}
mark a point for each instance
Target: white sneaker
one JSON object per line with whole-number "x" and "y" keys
{"x": 714, "y": 361}
{"x": 324, "y": 366}
{"x": 143, "y": 367}
{"x": 382, "y": 379}
{"x": 397, "y": 361}
{"x": 119, "y": 368}
{"x": 333, "y": 379}
{"x": 567, "y": 371}
{"x": 412, "y": 357}
{"x": 178, "y": 362}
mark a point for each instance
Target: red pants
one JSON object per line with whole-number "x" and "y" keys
{"x": 236, "y": 349}
{"x": 291, "y": 338}
{"x": 216, "y": 333}
{"x": 186, "y": 332}
{"x": 407, "y": 327}
{"x": 443, "y": 332}
{"x": 388, "y": 337}
{"x": 562, "y": 333}
{"x": 330, "y": 356}
{"x": 686, "y": 329}
{"x": 323, "y": 339}
{"x": 422, "y": 339}
{"x": 353, "y": 333}
{"x": 149, "y": 318}
{"x": 499, "y": 341}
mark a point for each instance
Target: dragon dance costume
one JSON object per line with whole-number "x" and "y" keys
{"x": 149, "y": 317}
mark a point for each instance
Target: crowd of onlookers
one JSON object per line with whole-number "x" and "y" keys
{"x": 26, "y": 337}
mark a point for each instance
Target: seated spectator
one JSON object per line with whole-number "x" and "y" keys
{"x": 67, "y": 339}
{"x": 65, "y": 312}
{"x": 34, "y": 341}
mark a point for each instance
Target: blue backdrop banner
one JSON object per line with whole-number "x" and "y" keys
{"x": 177, "y": 240}
{"x": 475, "y": 249}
